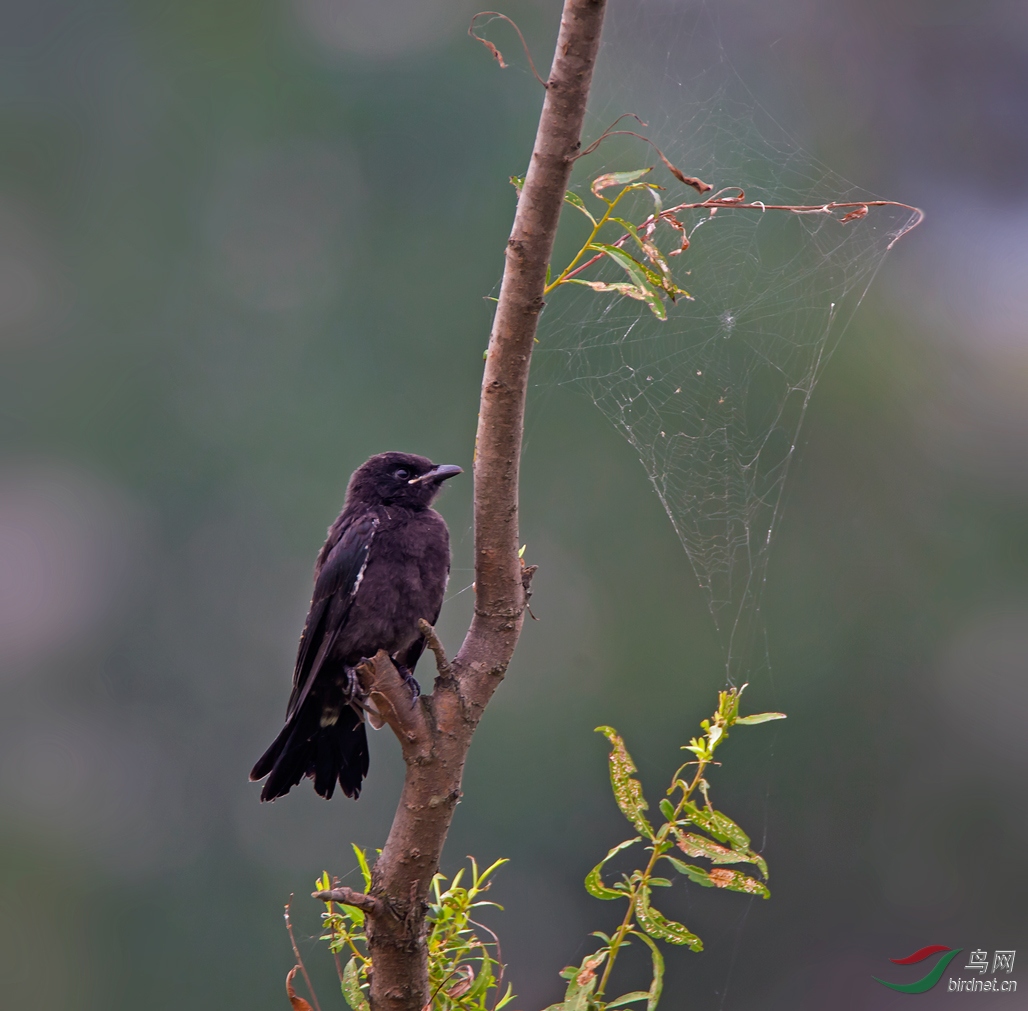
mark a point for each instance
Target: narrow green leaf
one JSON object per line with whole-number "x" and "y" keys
{"x": 582, "y": 982}
{"x": 667, "y": 809}
{"x": 576, "y": 201}
{"x": 363, "y": 861}
{"x": 650, "y": 251}
{"x": 627, "y": 791}
{"x": 658, "y": 926}
{"x": 629, "y": 291}
{"x": 351, "y": 984}
{"x": 594, "y": 881}
{"x": 722, "y": 877}
{"x": 657, "y": 985}
{"x": 749, "y": 721}
{"x": 481, "y": 984}
{"x": 630, "y": 998}
{"x": 719, "y": 825}
{"x": 506, "y": 998}
{"x": 635, "y": 270}
{"x": 609, "y": 179}
{"x": 698, "y": 846}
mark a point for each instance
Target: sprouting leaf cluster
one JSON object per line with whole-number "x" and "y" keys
{"x": 464, "y": 971}
{"x": 692, "y": 827}
{"x": 646, "y": 267}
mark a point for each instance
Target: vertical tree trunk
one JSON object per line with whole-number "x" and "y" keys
{"x": 435, "y": 734}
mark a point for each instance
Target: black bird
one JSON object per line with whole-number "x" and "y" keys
{"x": 385, "y": 565}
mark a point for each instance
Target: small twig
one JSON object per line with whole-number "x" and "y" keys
{"x": 348, "y": 897}
{"x": 389, "y": 696}
{"x": 527, "y": 572}
{"x": 442, "y": 664}
{"x": 299, "y": 960}
{"x": 859, "y": 210}
{"x": 859, "y": 206}
{"x": 608, "y": 133}
{"x": 697, "y": 184}
{"x": 492, "y": 49}
{"x": 499, "y": 959}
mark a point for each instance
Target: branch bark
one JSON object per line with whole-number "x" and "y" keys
{"x": 435, "y": 731}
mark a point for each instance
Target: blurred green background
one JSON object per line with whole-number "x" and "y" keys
{"x": 244, "y": 245}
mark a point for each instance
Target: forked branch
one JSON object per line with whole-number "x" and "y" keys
{"x": 435, "y": 732}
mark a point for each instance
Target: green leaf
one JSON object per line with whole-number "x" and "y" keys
{"x": 576, "y": 201}
{"x": 629, "y": 290}
{"x": 657, "y": 925}
{"x": 518, "y": 182}
{"x": 593, "y": 880}
{"x": 635, "y": 270}
{"x": 749, "y": 721}
{"x": 363, "y": 861}
{"x": 700, "y": 846}
{"x": 506, "y": 998}
{"x": 352, "y": 991}
{"x": 609, "y": 179}
{"x": 630, "y": 998}
{"x": 582, "y": 982}
{"x": 719, "y": 825}
{"x": 722, "y": 877}
{"x": 657, "y": 985}
{"x": 627, "y": 791}
{"x": 667, "y": 809}
{"x": 650, "y": 251}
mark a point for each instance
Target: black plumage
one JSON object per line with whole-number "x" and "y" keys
{"x": 385, "y": 565}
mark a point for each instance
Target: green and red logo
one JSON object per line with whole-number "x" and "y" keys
{"x": 933, "y": 977}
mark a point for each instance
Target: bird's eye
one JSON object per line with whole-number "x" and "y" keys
{"x": 402, "y": 474}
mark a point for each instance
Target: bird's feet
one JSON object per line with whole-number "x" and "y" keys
{"x": 353, "y": 690}
{"x": 358, "y": 699}
{"x": 411, "y": 680}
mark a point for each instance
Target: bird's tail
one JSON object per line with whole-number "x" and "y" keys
{"x": 329, "y": 754}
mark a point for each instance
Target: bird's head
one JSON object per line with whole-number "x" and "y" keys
{"x": 401, "y": 479}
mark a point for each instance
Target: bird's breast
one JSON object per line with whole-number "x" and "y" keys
{"x": 404, "y": 579}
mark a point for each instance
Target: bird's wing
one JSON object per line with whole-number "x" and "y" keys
{"x": 335, "y": 587}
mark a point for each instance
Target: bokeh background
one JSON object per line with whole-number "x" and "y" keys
{"x": 244, "y": 245}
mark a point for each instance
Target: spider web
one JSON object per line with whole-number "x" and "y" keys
{"x": 713, "y": 398}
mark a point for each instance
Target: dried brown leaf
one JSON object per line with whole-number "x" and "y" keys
{"x": 298, "y": 1003}
{"x": 697, "y": 184}
{"x": 855, "y": 215}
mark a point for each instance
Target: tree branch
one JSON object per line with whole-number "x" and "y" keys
{"x": 388, "y": 695}
{"x": 442, "y": 664}
{"x": 348, "y": 897}
{"x": 435, "y": 732}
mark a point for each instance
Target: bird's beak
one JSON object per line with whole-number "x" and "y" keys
{"x": 440, "y": 473}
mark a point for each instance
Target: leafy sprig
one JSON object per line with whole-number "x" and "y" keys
{"x": 465, "y": 972}
{"x": 648, "y": 272}
{"x": 693, "y": 827}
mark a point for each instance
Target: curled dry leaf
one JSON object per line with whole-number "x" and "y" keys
{"x": 855, "y": 215}
{"x": 298, "y": 1003}
{"x": 588, "y": 971}
{"x": 697, "y": 184}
